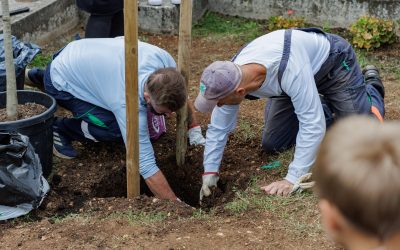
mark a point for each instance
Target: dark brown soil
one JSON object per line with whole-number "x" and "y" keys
{"x": 24, "y": 111}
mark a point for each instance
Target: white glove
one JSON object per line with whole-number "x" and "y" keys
{"x": 209, "y": 180}
{"x": 303, "y": 183}
{"x": 195, "y": 136}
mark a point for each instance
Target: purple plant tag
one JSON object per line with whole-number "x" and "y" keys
{"x": 156, "y": 125}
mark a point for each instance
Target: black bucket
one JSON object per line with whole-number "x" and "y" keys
{"x": 39, "y": 128}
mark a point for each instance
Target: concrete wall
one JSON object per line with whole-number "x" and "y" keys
{"x": 50, "y": 20}
{"x": 165, "y": 18}
{"x": 335, "y": 13}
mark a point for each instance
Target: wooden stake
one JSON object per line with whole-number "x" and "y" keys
{"x": 185, "y": 43}
{"x": 131, "y": 96}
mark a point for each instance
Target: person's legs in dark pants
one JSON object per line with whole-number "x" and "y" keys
{"x": 103, "y": 26}
{"x": 98, "y": 26}
{"x": 281, "y": 125}
{"x": 343, "y": 85}
{"x": 117, "y": 25}
{"x": 90, "y": 123}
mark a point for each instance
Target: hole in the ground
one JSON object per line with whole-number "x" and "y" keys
{"x": 100, "y": 172}
{"x": 183, "y": 182}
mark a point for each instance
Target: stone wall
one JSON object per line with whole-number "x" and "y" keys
{"x": 165, "y": 18}
{"x": 333, "y": 13}
{"x": 45, "y": 20}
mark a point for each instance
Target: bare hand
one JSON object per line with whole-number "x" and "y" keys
{"x": 282, "y": 188}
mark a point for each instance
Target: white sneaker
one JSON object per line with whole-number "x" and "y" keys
{"x": 155, "y": 2}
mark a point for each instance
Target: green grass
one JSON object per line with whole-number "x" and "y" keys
{"x": 216, "y": 24}
{"x": 200, "y": 214}
{"x": 397, "y": 73}
{"x": 40, "y": 61}
{"x": 240, "y": 204}
{"x": 246, "y": 130}
{"x": 135, "y": 217}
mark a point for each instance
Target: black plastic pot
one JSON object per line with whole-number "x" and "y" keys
{"x": 39, "y": 128}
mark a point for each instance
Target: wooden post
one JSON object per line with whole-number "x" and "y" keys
{"x": 131, "y": 96}
{"x": 185, "y": 43}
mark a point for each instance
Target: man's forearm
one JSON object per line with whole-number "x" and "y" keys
{"x": 160, "y": 187}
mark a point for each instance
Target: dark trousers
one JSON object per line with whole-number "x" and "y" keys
{"x": 99, "y": 26}
{"x": 89, "y": 121}
{"x": 343, "y": 92}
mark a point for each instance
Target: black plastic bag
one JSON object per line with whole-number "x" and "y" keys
{"x": 23, "y": 54}
{"x": 21, "y": 179}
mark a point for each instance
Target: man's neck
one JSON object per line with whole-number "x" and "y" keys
{"x": 360, "y": 241}
{"x": 253, "y": 76}
{"x": 363, "y": 242}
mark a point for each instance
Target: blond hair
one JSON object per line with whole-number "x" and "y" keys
{"x": 358, "y": 170}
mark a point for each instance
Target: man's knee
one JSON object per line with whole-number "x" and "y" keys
{"x": 270, "y": 145}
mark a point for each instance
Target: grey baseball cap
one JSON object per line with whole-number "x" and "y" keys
{"x": 218, "y": 80}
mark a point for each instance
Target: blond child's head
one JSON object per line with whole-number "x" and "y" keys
{"x": 357, "y": 175}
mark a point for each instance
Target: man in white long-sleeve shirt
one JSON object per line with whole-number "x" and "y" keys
{"x": 87, "y": 77}
{"x": 308, "y": 75}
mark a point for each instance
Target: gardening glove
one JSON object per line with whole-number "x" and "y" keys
{"x": 303, "y": 183}
{"x": 195, "y": 136}
{"x": 210, "y": 180}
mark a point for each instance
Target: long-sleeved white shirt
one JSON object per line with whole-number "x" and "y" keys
{"x": 93, "y": 70}
{"x": 308, "y": 52}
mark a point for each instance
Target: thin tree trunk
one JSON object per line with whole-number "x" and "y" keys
{"x": 9, "y": 61}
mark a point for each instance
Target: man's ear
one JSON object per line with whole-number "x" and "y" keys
{"x": 331, "y": 218}
{"x": 146, "y": 96}
{"x": 240, "y": 91}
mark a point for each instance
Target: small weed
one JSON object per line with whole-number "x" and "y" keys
{"x": 28, "y": 218}
{"x": 59, "y": 219}
{"x": 40, "y": 61}
{"x": 143, "y": 38}
{"x": 237, "y": 206}
{"x": 397, "y": 73}
{"x": 327, "y": 27}
{"x": 201, "y": 215}
{"x": 361, "y": 57}
{"x": 141, "y": 217}
{"x": 246, "y": 130}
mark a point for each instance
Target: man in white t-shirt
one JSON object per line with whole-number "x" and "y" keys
{"x": 87, "y": 77}
{"x": 309, "y": 77}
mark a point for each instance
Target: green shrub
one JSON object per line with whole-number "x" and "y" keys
{"x": 371, "y": 32}
{"x": 280, "y": 22}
